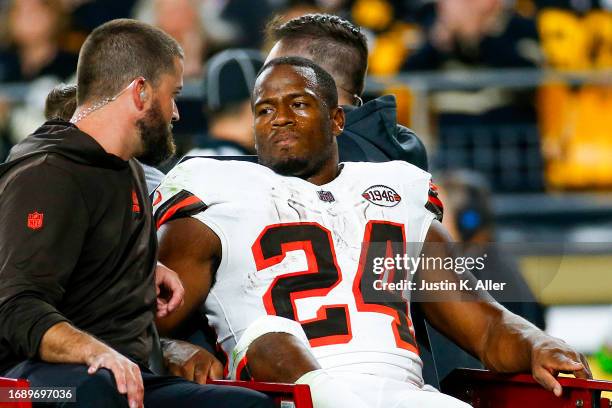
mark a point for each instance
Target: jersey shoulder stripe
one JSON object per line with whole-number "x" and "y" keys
{"x": 181, "y": 205}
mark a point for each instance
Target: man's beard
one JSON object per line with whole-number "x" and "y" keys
{"x": 156, "y": 136}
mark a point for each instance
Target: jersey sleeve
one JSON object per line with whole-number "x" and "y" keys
{"x": 43, "y": 224}
{"x": 417, "y": 181}
{"x": 184, "y": 192}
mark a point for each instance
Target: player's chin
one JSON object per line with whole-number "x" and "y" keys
{"x": 290, "y": 165}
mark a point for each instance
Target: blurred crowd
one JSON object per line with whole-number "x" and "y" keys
{"x": 554, "y": 135}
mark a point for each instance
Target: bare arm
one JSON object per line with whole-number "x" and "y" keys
{"x": 503, "y": 341}
{"x": 193, "y": 251}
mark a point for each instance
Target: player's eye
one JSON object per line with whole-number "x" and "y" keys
{"x": 263, "y": 111}
{"x": 299, "y": 104}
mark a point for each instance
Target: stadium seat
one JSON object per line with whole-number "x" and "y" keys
{"x": 10, "y": 383}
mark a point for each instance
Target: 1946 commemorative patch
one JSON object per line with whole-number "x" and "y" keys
{"x": 382, "y": 195}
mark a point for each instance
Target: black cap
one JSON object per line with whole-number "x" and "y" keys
{"x": 230, "y": 77}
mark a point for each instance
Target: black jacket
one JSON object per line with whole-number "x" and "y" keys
{"x": 371, "y": 134}
{"x": 77, "y": 244}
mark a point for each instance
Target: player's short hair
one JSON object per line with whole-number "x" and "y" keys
{"x": 61, "y": 102}
{"x": 329, "y": 40}
{"x": 117, "y": 52}
{"x": 326, "y": 86}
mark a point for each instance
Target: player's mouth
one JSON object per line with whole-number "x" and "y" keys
{"x": 284, "y": 139}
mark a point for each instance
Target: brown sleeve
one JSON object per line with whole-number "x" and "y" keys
{"x": 43, "y": 221}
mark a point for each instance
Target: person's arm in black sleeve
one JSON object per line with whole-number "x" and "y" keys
{"x": 43, "y": 224}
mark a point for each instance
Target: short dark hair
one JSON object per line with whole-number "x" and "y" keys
{"x": 61, "y": 102}
{"x": 117, "y": 52}
{"x": 326, "y": 86}
{"x": 330, "y": 41}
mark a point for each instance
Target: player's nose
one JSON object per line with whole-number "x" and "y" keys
{"x": 283, "y": 116}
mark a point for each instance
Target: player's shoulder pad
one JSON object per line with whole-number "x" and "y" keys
{"x": 181, "y": 193}
{"x": 195, "y": 184}
{"x": 416, "y": 177}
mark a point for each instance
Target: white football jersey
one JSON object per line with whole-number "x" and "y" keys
{"x": 297, "y": 250}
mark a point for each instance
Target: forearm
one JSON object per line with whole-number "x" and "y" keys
{"x": 63, "y": 343}
{"x": 472, "y": 319}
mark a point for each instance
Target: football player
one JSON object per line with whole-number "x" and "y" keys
{"x": 281, "y": 258}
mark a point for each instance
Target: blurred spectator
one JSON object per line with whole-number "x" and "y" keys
{"x": 182, "y": 19}
{"x": 290, "y": 11}
{"x": 89, "y": 14}
{"x": 579, "y": 6}
{"x": 248, "y": 19}
{"x": 574, "y": 120}
{"x": 485, "y": 33}
{"x": 394, "y": 28}
{"x": 34, "y": 30}
{"x": 228, "y": 81}
{"x": 296, "y": 8}
{"x": 491, "y": 129}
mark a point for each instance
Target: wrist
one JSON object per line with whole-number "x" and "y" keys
{"x": 92, "y": 349}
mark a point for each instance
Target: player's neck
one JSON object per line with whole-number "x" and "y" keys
{"x": 326, "y": 173}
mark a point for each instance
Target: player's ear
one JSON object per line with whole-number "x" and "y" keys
{"x": 337, "y": 119}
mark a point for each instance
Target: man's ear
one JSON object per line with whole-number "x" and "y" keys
{"x": 141, "y": 93}
{"x": 337, "y": 117}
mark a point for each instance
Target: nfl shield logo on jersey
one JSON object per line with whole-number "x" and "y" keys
{"x": 326, "y": 196}
{"x": 35, "y": 220}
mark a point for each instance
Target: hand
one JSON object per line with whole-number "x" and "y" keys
{"x": 191, "y": 362}
{"x": 552, "y": 356}
{"x": 127, "y": 374}
{"x": 170, "y": 291}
